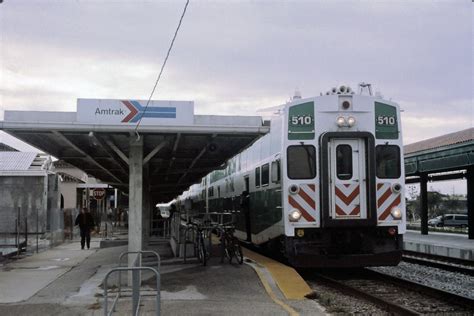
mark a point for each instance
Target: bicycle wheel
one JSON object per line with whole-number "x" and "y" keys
{"x": 224, "y": 253}
{"x": 238, "y": 254}
{"x": 229, "y": 248}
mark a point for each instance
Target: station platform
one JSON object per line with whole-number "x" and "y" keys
{"x": 66, "y": 280}
{"x": 456, "y": 246}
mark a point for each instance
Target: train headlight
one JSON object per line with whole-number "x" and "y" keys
{"x": 351, "y": 121}
{"x": 341, "y": 121}
{"x": 294, "y": 189}
{"x": 396, "y": 188}
{"x": 396, "y": 212}
{"x": 294, "y": 215}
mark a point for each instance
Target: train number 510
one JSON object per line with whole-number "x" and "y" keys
{"x": 386, "y": 120}
{"x": 301, "y": 120}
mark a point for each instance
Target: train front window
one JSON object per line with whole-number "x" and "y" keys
{"x": 387, "y": 158}
{"x": 344, "y": 162}
{"x": 301, "y": 162}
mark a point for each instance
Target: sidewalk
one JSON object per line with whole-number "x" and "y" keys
{"x": 442, "y": 244}
{"x": 21, "y": 279}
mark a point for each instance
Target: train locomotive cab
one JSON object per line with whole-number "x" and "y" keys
{"x": 324, "y": 186}
{"x": 343, "y": 182}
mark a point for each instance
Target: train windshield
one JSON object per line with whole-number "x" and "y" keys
{"x": 301, "y": 162}
{"x": 388, "y": 161}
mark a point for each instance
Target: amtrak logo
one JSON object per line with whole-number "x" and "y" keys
{"x": 129, "y": 112}
{"x": 137, "y": 112}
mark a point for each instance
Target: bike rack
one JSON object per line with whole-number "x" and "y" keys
{"x": 136, "y": 281}
{"x": 136, "y": 289}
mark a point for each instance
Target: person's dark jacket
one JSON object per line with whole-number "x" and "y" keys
{"x": 85, "y": 221}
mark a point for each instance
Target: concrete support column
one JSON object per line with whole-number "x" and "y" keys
{"x": 146, "y": 217}
{"x": 135, "y": 204}
{"x": 470, "y": 201}
{"x": 424, "y": 203}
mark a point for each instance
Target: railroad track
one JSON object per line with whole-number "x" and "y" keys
{"x": 397, "y": 296}
{"x": 445, "y": 263}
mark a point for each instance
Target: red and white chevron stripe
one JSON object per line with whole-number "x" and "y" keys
{"x": 386, "y": 200}
{"x": 305, "y": 201}
{"x": 347, "y": 199}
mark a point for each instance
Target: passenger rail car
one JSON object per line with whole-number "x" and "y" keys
{"x": 324, "y": 186}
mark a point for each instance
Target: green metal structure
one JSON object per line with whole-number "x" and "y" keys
{"x": 446, "y": 157}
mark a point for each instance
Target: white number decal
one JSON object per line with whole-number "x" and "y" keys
{"x": 386, "y": 120}
{"x": 301, "y": 120}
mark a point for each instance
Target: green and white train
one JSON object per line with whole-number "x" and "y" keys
{"x": 324, "y": 187}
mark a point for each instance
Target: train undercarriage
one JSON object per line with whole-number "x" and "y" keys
{"x": 355, "y": 247}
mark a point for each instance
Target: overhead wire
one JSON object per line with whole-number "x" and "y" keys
{"x": 162, "y": 68}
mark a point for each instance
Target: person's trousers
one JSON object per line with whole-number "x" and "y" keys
{"x": 85, "y": 237}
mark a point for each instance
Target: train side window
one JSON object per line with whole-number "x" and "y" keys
{"x": 301, "y": 161}
{"x": 387, "y": 158}
{"x": 257, "y": 177}
{"x": 210, "y": 191}
{"x": 276, "y": 171}
{"x": 265, "y": 174}
{"x": 344, "y": 162}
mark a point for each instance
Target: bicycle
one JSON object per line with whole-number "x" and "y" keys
{"x": 230, "y": 245}
{"x": 200, "y": 249}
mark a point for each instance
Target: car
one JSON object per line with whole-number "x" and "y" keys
{"x": 436, "y": 222}
{"x": 452, "y": 220}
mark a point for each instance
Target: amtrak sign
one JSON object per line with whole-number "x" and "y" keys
{"x": 129, "y": 112}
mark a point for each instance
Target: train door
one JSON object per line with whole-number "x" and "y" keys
{"x": 347, "y": 179}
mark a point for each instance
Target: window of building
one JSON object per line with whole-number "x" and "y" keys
{"x": 387, "y": 158}
{"x": 301, "y": 162}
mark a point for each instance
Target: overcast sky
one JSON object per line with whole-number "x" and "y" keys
{"x": 235, "y": 57}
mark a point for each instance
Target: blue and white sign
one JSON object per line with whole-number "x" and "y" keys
{"x": 104, "y": 111}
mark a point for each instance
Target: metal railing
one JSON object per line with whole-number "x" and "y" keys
{"x": 18, "y": 239}
{"x": 161, "y": 227}
{"x": 136, "y": 281}
{"x": 136, "y": 289}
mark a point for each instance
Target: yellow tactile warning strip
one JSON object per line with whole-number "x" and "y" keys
{"x": 288, "y": 280}
{"x": 272, "y": 295}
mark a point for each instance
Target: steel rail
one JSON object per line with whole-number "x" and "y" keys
{"x": 444, "y": 263}
{"x": 443, "y": 295}
{"x": 350, "y": 290}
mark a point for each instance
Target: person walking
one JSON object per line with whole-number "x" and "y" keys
{"x": 86, "y": 224}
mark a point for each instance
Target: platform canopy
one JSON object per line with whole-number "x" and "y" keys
{"x": 446, "y": 157}
{"x": 179, "y": 147}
